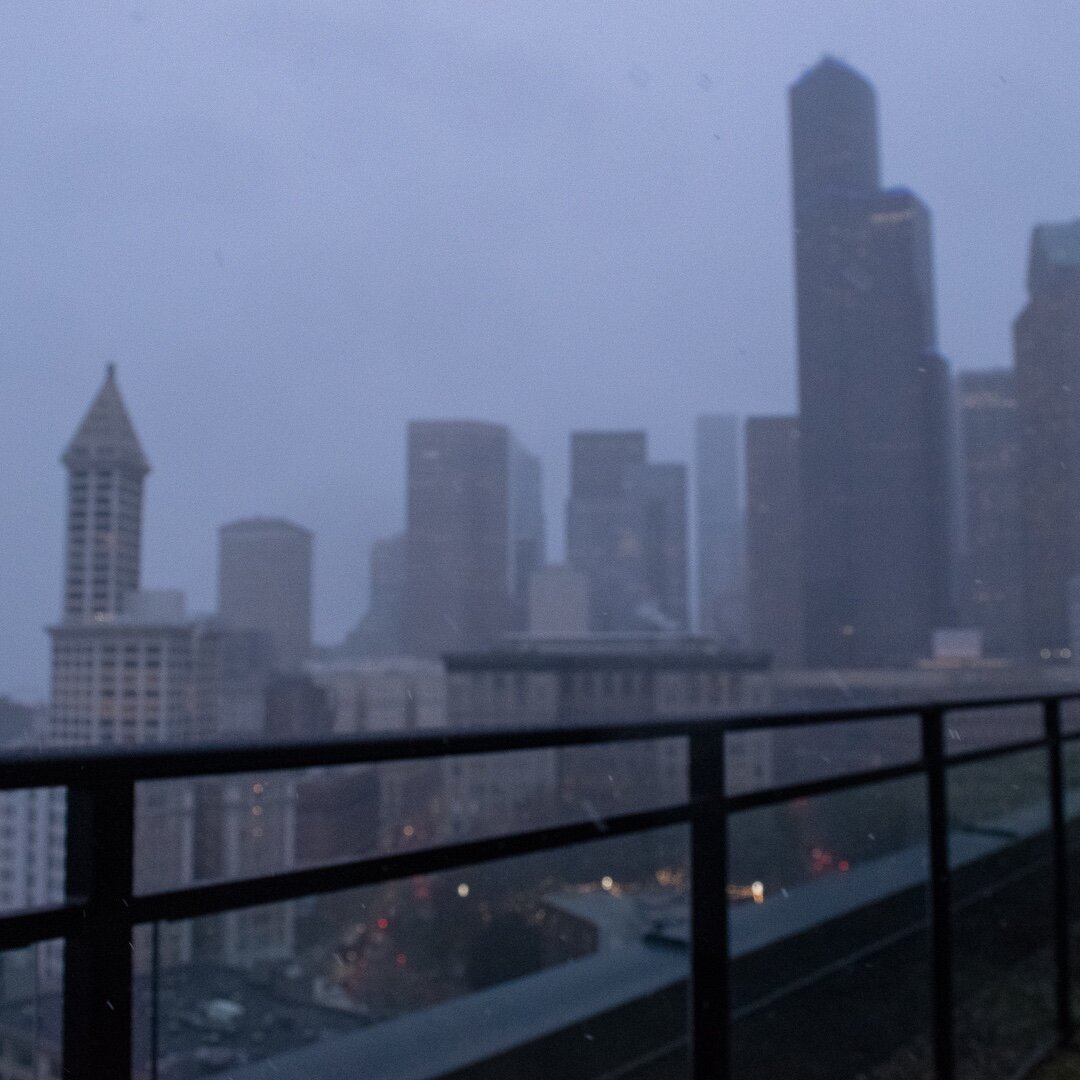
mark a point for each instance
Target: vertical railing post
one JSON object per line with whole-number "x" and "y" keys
{"x": 941, "y": 943}
{"x": 710, "y": 1000}
{"x": 98, "y": 959}
{"x": 1063, "y": 973}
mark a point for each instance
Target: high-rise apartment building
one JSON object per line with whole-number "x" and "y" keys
{"x": 626, "y": 531}
{"x": 992, "y": 563}
{"x": 1047, "y": 337}
{"x": 264, "y": 583}
{"x": 719, "y": 527}
{"x": 875, "y": 445}
{"x": 457, "y": 592}
{"x": 774, "y": 538}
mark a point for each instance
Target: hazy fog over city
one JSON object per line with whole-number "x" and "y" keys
{"x": 295, "y": 228}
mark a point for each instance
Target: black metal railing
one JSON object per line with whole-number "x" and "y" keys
{"x": 102, "y": 909}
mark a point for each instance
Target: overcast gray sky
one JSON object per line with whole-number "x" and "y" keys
{"x": 294, "y": 226}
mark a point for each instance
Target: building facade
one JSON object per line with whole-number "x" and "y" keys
{"x": 264, "y": 584}
{"x": 595, "y": 679}
{"x": 719, "y": 527}
{"x": 626, "y": 531}
{"x": 458, "y": 536}
{"x": 380, "y": 632}
{"x": 874, "y": 395}
{"x": 774, "y": 538}
{"x": 528, "y": 542}
{"x": 992, "y": 560}
{"x": 1047, "y": 340}
{"x": 106, "y": 468}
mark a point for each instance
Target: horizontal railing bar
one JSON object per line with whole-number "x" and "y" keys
{"x": 52, "y": 768}
{"x": 220, "y": 896}
{"x": 20, "y": 929}
{"x": 828, "y": 715}
{"x": 988, "y": 753}
{"x": 806, "y": 789}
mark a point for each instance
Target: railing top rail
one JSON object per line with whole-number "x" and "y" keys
{"x": 92, "y": 766}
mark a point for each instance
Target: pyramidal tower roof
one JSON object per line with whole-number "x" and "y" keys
{"x": 830, "y": 67}
{"x": 106, "y": 434}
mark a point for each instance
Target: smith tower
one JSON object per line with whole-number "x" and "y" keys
{"x": 874, "y": 441}
{"x": 106, "y": 468}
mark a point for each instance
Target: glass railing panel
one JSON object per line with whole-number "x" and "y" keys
{"x": 575, "y": 958}
{"x": 1002, "y": 885}
{"x": 1070, "y": 716}
{"x": 772, "y": 757}
{"x": 251, "y": 824}
{"x": 31, "y": 1012}
{"x": 1071, "y": 781}
{"x": 32, "y": 831}
{"x": 975, "y": 729}
{"x": 828, "y": 917}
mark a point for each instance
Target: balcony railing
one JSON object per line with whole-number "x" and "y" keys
{"x": 102, "y": 908}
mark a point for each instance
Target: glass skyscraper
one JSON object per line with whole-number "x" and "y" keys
{"x": 875, "y": 450}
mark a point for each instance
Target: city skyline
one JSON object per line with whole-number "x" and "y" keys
{"x": 731, "y": 364}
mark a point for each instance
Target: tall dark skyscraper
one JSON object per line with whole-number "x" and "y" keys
{"x": 457, "y": 536}
{"x": 719, "y": 526}
{"x": 875, "y": 446}
{"x": 773, "y": 537}
{"x": 1047, "y": 335}
{"x": 991, "y": 579}
{"x": 626, "y": 530}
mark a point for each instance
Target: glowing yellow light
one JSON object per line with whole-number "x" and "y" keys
{"x": 757, "y": 891}
{"x": 408, "y": 830}
{"x": 607, "y": 882}
{"x": 463, "y": 890}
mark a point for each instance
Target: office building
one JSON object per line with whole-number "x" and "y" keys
{"x": 595, "y": 679}
{"x": 380, "y": 632}
{"x": 656, "y": 493}
{"x": 458, "y": 536}
{"x": 992, "y": 561}
{"x": 264, "y": 583}
{"x": 528, "y": 546}
{"x": 626, "y": 531}
{"x": 719, "y": 529}
{"x": 875, "y": 443}
{"x": 558, "y": 602}
{"x": 1047, "y": 338}
{"x": 774, "y": 538}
